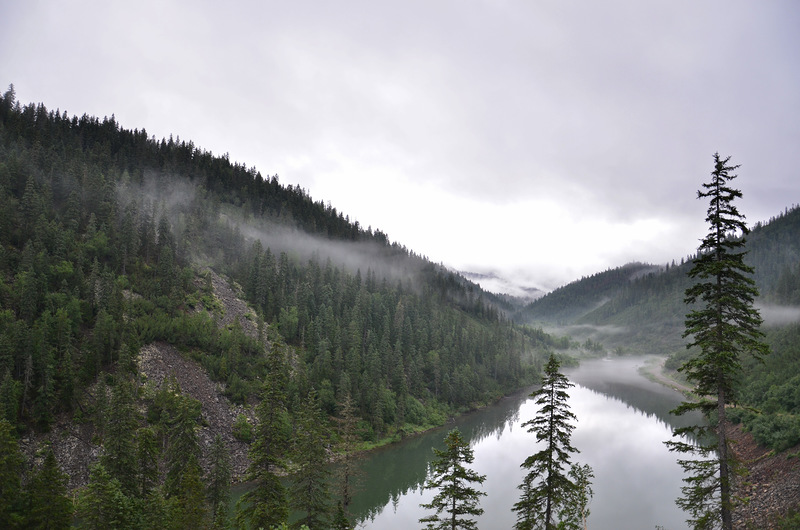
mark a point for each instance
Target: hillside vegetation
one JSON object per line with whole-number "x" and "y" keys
{"x": 640, "y": 309}
{"x": 111, "y": 240}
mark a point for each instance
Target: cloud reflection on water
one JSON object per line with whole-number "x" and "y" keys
{"x": 636, "y": 478}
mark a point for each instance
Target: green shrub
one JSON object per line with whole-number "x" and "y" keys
{"x": 776, "y": 431}
{"x": 790, "y": 522}
{"x": 242, "y": 430}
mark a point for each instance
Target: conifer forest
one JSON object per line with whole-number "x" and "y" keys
{"x": 173, "y": 322}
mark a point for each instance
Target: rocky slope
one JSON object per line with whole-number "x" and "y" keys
{"x": 158, "y": 361}
{"x": 771, "y": 486}
{"x": 74, "y": 443}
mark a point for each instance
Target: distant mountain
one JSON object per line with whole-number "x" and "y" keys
{"x": 641, "y": 306}
{"x": 567, "y": 304}
{"x": 512, "y": 290}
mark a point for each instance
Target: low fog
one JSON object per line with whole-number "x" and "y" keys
{"x": 173, "y": 196}
{"x": 777, "y": 315}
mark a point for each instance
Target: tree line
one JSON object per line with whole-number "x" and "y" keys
{"x": 93, "y": 266}
{"x": 106, "y": 237}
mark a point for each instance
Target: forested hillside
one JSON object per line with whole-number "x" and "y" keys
{"x": 641, "y": 306}
{"x": 645, "y": 313}
{"x": 567, "y": 304}
{"x": 106, "y": 239}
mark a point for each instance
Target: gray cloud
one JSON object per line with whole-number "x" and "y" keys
{"x": 594, "y": 122}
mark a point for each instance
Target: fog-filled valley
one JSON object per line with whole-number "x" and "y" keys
{"x": 119, "y": 251}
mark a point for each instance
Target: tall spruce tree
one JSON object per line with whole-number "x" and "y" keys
{"x": 11, "y": 465}
{"x": 723, "y": 326}
{"x": 119, "y": 456}
{"x": 218, "y": 488}
{"x": 456, "y": 496}
{"x": 309, "y": 492}
{"x": 348, "y": 473}
{"x": 48, "y": 503}
{"x": 547, "y": 489}
{"x": 102, "y": 504}
{"x": 266, "y": 504}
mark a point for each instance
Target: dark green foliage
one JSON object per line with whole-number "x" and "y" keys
{"x": 94, "y": 264}
{"x": 218, "y": 489}
{"x": 100, "y": 231}
{"x": 770, "y": 389}
{"x": 186, "y": 507}
{"x": 10, "y": 471}
{"x": 779, "y": 431}
{"x": 340, "y": 521}
{"x": 348, "y": 472}
{"x": 242, "y": 429}
{"x": 119, "y": 444}
{"x": 147, "y": 458}
{"x": 309, "y": 492}
{"x": 547, "y": 489}
{"x": 154, "y": 511}
{"x": 103, "y": 504}
{"x": 48, "y": 504}
{"x": 183, "y": 448}
{"x": 456, "y": 497}
{"x": 266, "y": 504}
{"x": 724, "y": 326}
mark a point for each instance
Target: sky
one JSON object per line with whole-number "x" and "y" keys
{"x": 541, "y": 140}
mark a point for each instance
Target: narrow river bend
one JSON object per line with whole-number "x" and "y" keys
{"x": 623, "y": 420}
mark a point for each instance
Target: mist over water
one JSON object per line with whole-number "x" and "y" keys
{"x": 623, "y": 420}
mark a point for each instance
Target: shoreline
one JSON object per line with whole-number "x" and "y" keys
{"x": 654, "y": 370}
{"x": 771, "y": 485}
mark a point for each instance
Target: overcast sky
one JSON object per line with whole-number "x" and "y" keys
{"x": 546, "y": 140}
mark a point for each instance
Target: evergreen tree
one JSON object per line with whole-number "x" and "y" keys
{"x": 187, "y": 507}
{"x": 183, "y": 484}
{"x": 266, "y": 504}
{"x": 119, "y": 457}
{"x": 102, "y": 504}
{"x": 10, "y": 470}
{"x": 48, "y": 504}
{"x": 309, "y": 489}
{"x": 340, "y": 520}
{"x": 576, "y": 509}
{"x": 154, "y": 512}
{"x": 456, "y": 496}
{"x": 547, "y": 487}
{"x": 724, "y": 326}
{"x": 147, "y": 451}
{"x": 218, "y": 490}
{"x": 183, "y": 448}
{"x": 348, "y": 473}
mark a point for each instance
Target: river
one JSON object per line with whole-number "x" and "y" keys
{"x": 623, "y": 420}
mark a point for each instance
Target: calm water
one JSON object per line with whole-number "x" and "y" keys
{"x": 623, "y": 420}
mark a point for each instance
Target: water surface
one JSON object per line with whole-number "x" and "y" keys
{"x": 623, "y": 420}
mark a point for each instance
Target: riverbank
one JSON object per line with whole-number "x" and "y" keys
{"x": 655, "y": 371}
{"x": 411, "y": 431}
{"x": 771, "y": 485}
